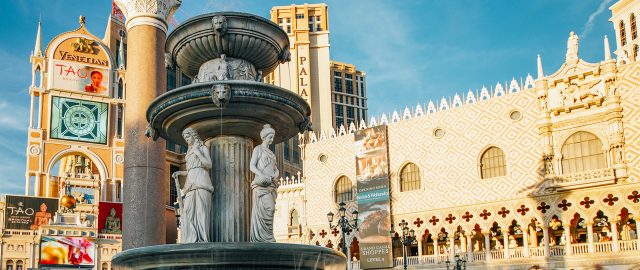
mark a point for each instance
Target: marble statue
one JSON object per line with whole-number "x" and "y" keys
{"x": 264, "y": 185}
{"x": 197, "y": 191}
{"x": 112, "y": 223}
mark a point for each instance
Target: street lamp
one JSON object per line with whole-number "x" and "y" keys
{"x": 343, "y": 223}
{"x": 461, "y": 264}
{"x": 408, "y": 236}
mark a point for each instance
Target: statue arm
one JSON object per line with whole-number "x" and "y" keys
{"x": 253, "y": 166}
{"x": 203, "y": 155}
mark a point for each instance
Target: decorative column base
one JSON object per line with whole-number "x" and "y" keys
{"x": 231, "y": 211}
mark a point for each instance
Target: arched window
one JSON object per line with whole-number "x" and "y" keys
{"x": 105, "y": 266}
{"x": 19, "y": 265}
{"x": 623, "y": 34}
{"x": 293, "y": 218}
{"x": 343, "y": 190}
{"x": 120, "y": 93}
{"x": 9, "y": 265}
{"x": 492, "y": 163}
{"x": 409, "y": 177}
{"x": 582, "y": 152}
{"x": 635, "y": 52}
{"x": 634, "y": 29}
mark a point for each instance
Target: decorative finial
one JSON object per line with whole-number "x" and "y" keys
{"x": 82, "y": 21}
{"x": 572, "y": 47}
{"x": 37, "y": 51}
{"x": 540, "y": 73}
{"x": 607, "y": 50}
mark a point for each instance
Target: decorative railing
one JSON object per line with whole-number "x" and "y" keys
{"x": 428, "y": 259}
{"x": 497, "y": 254}
{"x": 290, "y": 181}
{"x": 480, "y": 256}
{"x": 536, "y": 251}
{"x": 603, "y": 247}
{"x": 516, "y": 253}
{"x": 630, "y": 245}
{"x": 579, "y": 248}
{"x": 556, "y": 251}
{"x": 585, "y": 178}
{"x": 295, "y": 231}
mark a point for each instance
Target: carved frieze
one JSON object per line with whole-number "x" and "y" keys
{"x": 565, "y": 97}
{"x": 226, "y": 68}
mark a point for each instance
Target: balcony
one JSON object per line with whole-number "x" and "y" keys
{"x": 518, "y": 255}
{"x": 583, "y": 179}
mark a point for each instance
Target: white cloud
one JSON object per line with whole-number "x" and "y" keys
{"x": 588, "y": 26}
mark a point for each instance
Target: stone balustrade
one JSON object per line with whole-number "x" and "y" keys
{"x": 579, "y": 249}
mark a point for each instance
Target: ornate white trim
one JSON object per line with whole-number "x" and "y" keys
{"x": 148, "y": 12}
{"x": 119, "y": 158}
{"x": 35, "y": 150}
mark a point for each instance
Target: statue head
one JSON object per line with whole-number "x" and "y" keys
{"x": 191, "y": 136}
{"x": 43, "y": 207}
{"x": 219, "y": 24}
{"x": 112, "y": 212}
{"x": 267, "y": 133}
{"x": 221, "y": 94}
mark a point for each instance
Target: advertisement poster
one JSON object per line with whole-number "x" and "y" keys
{"x": 110, "y": 218}
{"x": 28, "y": 213}
{"x": 67, "y": 251}
{"x": 372, "y": 174}
{"x": 79, "y": 77}
{"x": 79, "y": 120}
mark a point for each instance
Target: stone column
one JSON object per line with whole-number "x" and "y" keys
{"x": 452, "y": 246}
{"x": 469, "y": 248}
{"x": 436, "y": 252}
{"x": 114, "y": 189}
{"x": 590, "y": 236}
{"x": 145, "y": 181}
{"x": 231, "y": 211}
{"x": 545, "y": 236}
{"x": 614, "y": 235}
{"x": 505, "y": 241}
{"x": 567, "y": 238}
{"x": 420, "y": 247}
{"x": 525, "y": 242}
{"x": 487, "y": 244}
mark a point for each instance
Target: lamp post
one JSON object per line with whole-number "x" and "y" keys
{"x": 408, "y": 236}
{"x": 461, "y": 264}
{"x": 344, "y": 224}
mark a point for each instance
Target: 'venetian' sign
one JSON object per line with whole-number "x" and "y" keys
{"x": 80, "y": 65}
{"x": 372, "y": 174}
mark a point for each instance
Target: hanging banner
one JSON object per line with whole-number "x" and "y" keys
{"x": 28, "y": 213}
{"x": 67, "y": 251}
{"x": 110, "y": 218}
{"x": 372, "y": 174}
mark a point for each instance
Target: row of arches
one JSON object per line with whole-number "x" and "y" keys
{"x": 582, "y": 151}
{"x": 15, "y": 265}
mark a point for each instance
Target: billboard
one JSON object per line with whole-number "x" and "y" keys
{"x": 79, "y": 64}
{"x": 67, "y": 251}
{"x": 79, "y": 120}
{"x": 28, "y": 213}
{"x": 110, "y": 218}
{"x": 83, "y": 195}
{"x": 372, "y": 175}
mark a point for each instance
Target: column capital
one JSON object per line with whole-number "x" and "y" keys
{"x": 148, "y": 12}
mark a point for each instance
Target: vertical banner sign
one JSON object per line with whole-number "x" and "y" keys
{"x": 372, "y": 173}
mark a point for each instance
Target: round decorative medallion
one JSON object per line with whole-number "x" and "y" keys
{"x": 322, "y": 158}
{"x": 79, "y": 120}
{"x": 35, "y": 150}
{"x": 515, "y": 115}
{"x": 119, "y": 158}
{"x": 438, "y": 132}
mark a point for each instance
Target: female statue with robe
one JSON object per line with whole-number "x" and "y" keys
{"x": 264, "y": 185}
{"x": 197, "y": 191}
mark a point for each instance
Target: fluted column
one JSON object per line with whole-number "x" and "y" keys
{"x": 231, "y": 211}
{"x": 145, "y": 180}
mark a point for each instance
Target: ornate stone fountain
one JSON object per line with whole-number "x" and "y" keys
{"x": 226, "y": 53}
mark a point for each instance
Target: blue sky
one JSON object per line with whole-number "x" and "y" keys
{"x": 412, "y": 51}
